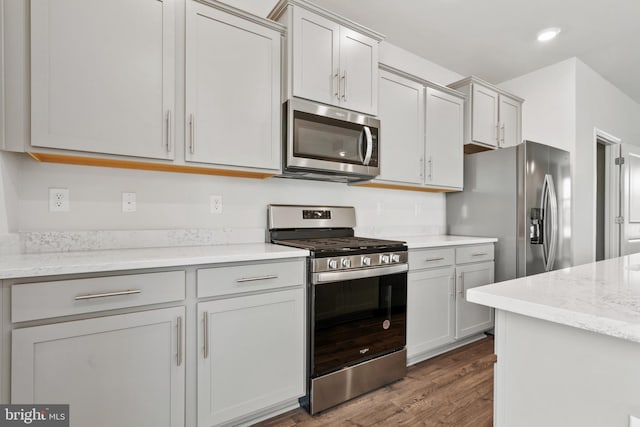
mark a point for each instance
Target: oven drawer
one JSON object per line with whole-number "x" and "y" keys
{"x": 477, "y": 253}
{"x": 243, "y": 278}
{"x": 430, "y": 258}
{"x": 41, "y": 300}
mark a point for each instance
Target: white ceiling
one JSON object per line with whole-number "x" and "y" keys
{"x": 496, "y": 39}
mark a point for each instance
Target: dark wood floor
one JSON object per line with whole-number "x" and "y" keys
{"x": 454, "y": 389}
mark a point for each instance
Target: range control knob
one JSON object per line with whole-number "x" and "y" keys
{"x": 395, "y": 258}
{"x": 346, "y": 262}
{"x": 366, "y": 260}
{"x": 333, "y": 263}
{"x": 384, "y": 259}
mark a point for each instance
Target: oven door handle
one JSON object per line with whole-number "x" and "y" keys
{"x": 337, "y": 276}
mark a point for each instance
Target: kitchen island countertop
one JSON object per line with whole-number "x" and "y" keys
{"x": 601, "y": 297}
{"x": 47, "y": 264}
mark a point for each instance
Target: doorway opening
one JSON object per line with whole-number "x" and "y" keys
{"x": 607, "y": 201}
{"x": 600, "y": 199}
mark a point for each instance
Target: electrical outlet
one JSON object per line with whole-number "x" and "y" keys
{"x": 129, "y": 202}
{"x": 215, "y": 204}
{"x": 58, "y": 200}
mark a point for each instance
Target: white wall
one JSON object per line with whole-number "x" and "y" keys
{"x": 408, "y": 62}
{"x": 563, "y": 104}
{"x": 549, "y": 109}
{"x": 601, "y": 105}
{"x": 173, "y": 200}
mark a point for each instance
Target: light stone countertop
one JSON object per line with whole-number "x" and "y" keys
{"x": 47, "y": 264}
{"x": 602, "y": 297}
{"x": 420, "y": 242}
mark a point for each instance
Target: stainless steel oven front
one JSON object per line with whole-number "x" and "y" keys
{"x": 358, "y": 323}
{"x": 330, "y": 142}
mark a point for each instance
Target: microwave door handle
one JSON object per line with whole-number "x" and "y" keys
{"x": 361, "y": 149}
{"x": 367, "y": 156}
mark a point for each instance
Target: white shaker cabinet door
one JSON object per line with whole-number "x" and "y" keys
{"x": 472, "y": 318}
{"x": 402, "y": 131}
{"x": 251, "y": 352}
{"x": 358, "y": 72}
{"x": 484, "y": 111}
{"x": 102, "y": 76}
{"x": 444, "y": 139}
{"x": 510, "y": 118}
{"x": 316, "y": 55}
{"x": 125, "y": 370}
{"x": 233, "y": 105}
{"x": 430, "y": 310}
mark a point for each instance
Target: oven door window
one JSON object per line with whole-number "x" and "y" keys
{"x": 322, "y": 138}
{"x": 357, "y": 320}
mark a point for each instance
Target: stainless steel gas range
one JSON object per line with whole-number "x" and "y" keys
{"x": 357, "y": 302}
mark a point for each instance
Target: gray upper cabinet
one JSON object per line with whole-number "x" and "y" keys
{"x": 493, "y": 117}
{"x": 330, "y": 59}
{"x": 421, "y": 133}
{"x": 232, "y": 83}
{"x": 102, "y": 76}
{"x": 444, "y": 139}
{"x": 316, "y": 57}
{"x": 510, "y": 121}
{"x": 402, "y": 130}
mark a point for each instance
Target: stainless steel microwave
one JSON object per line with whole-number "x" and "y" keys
{"x": 329, "y": 143}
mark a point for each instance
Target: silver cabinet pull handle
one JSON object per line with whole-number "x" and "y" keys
{"x": 480, "y": 254}
{"x": 206, "y": 334}
{"x": 169, "y": 131}
{"x": 421, "y": 167}
{"x": 461, "y": 291}
{"x": 336, "y": 79}
{"x": 179, "y": 326}
{"x": 430, "y": 167}
{"x": 502, "y": 137}
{"x": 253, "y": 279}
{"x": 498, "y": 133}
{"x": 108, "y": 294}
{"x": 192, "y": 133}
{"x": 344, "y": 85}
{"x": 452, "y": 286}
{"x": 434, "y": 259}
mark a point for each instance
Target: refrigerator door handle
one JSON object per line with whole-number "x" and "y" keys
{"x": 553, "y": 210}
{"x": 550, "y": 237}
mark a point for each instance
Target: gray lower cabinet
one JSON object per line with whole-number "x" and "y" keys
{"x": 251, "y": 354}
{"x": 430, "y": 309}
{"x": 472, "y": 318}
{"x": 200, "y": 346}
{"x": 124, "y": 370}
{"x": 438, "y": 316}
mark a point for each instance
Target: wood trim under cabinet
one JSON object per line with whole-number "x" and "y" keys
{"x": 405, "y": 187}
{"x": 130, "y": 164}
{"x": 476, "y": 148}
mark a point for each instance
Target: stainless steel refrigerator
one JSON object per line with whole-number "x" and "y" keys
{"x": 522, "y": 196}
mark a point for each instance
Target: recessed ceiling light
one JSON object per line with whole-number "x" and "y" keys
{"x": 548, "y": 34}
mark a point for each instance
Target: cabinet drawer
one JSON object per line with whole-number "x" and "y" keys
{"x": 429, "y": 258}
{"x": 31, "y": 301}
{"x": 249, "y": 277}
{"x": 476, "y": 253}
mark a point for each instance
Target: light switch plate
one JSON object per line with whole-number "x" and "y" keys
{"x": 634, "y": 421}
{"x": 215, "y": 204}
{"x": 129, "y": 202}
